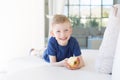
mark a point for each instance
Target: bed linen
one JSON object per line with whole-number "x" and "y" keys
{"x": 34, "y": 68}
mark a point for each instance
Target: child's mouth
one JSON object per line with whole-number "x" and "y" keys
{"x": 63, "y": 38}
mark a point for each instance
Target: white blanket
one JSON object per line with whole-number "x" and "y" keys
{"x": 33, "y": 68}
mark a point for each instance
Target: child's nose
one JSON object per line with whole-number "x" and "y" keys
{"x": 62, "y": 34}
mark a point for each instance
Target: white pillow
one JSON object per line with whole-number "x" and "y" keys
{"x": 116, "y": 64}
{"x": 104, "y": 61}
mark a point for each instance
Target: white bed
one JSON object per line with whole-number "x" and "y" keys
{"x": 33, "y": 68}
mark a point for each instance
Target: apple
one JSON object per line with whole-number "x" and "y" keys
{"x": 73, "y": 62}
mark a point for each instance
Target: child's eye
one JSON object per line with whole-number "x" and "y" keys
{"x": 66, "y": 30}
{"x": 58, "y": 31}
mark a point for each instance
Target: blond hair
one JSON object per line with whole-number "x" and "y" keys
{"x": 58, "y": 19}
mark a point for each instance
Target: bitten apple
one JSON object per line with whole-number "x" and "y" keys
{"x": 73, "y": 62}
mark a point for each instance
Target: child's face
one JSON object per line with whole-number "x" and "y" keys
{"x": 62, "y": 33}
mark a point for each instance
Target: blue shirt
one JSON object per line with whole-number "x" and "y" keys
{"x": 61, "y": 52}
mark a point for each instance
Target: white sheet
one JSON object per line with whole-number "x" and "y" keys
{"x": 33, "y": 68}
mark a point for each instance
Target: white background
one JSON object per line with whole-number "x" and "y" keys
{"x": 21, "y": 28}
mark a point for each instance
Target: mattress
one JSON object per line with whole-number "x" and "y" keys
{"x": 34, "y": 68}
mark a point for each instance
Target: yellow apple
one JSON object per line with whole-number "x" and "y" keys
{"x": 73, "y": 62}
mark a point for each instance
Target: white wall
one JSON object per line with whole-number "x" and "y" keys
{"x": 21, "y": 27}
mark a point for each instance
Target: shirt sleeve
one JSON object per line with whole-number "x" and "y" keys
{"x": 76, "y": 48}
{"x": 51, "y": 47}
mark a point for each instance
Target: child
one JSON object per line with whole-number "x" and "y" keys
{"x": 62, "y": 45}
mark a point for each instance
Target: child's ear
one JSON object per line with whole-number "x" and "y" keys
{"x": 71, "y": 31}
{"x": 51, "y": 33}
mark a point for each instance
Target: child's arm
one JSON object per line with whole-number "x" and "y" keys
{"x": 54, "y": 63}
{"x": 64, "y": 63}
